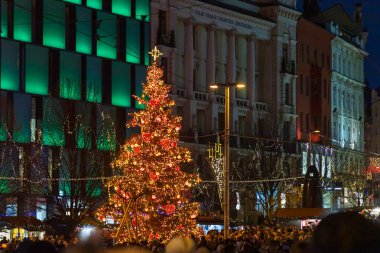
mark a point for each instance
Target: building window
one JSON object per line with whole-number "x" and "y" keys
{"x": 105, "y": 128}
{"x": 316, "y": 57}
{"x": 106, "y": 35}
{"x": 22, "y": 20}
{"x": 54, "y": 30}
{"x": 301, "y": 84}
{"x": 287, "y": 94}
{"x": 83, "y": 30}
{"x": 328, "y": 62}
{"x": 201, "y": 123}
{"x": 323, "y": 60}
{"x": 96, "y": 4}
{"x": 70, "y": 75}
{"x": 93, "y": 79}
{"x": 133, "y": 41}
{"x": 10, "y": 67}
{"x": 146, "y": 43}
{"x": 37, "y": 70}
{"x": 52, "y": 130}
{"x": 307, "y": 122}
{"x": 4, "y": 18}
{"x": 122, "y": 7}
{"x": 325, "y": 124}
{"x": 324, "y": 88}
{"x": 301, "y": 121}
{"x": 22, "y": 106}
{"x": 143, "y": 10}
{"x": 302, "y": 55}
{"x": 242, "y": 122}
{"x": 307, "y": 54}
{"x": 307, "y": 86}
{"x": 316, "y": 122}
{"x": 121, "y": 84}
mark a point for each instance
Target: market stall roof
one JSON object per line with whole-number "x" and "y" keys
{"x": 26, "y": 222}
{"x": 302, "y": 213}
{"x": 209, "y": 220}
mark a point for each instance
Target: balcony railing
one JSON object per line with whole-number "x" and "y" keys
{"x": 288, "y": 67}
{"x": 166, "y": 39}
{"x": 289, "y": 109}
{"x": 261, "y": 106}
{"x": 201, "y": 96}
{"x": 181, "y": 92}
{"x": 244, "y": 103}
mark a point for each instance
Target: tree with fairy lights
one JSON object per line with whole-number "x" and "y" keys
{"x": 149, "y": 195}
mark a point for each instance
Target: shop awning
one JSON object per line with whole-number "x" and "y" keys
{"x": 302, "y": 213}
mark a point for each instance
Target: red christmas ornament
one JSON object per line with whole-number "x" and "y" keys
{"x": 136, "y": 149}
{"x": 173, "y": 144}
{"x": 177, "y": 168}
{"x": 134, "y": 223}
{"x": 154, "y": 102}
{"x": 146, "y": 136}
{"x": 153, "y": 175}
{"x": 165, "y": 143}
{"x": 169, "y": 209}
{"x": 180, "y": 226}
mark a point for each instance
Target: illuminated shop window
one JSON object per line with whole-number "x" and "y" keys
{"x": 23, "y": 20}
{"x": 4, "y": 18}
{"x": 96, "y": 4}
{"x": 84, "y": 30}
{"x": 37, "y": 70}
{"x": 10, "y": 69}
{"x": 70, "y": 75}
{"x": 140, "y": 74}
{"x": 106, "y": 33}
{"x": 142, "y": 10}
{"x": 105, "y": 128}
{"x": 52, "y": 123}
{"x": 22, "y": 106}
{"x": 54, "y": 24}
{"x": 122, "y": 7}
{"x": 121, "y": 84}
{"x": 133, "y": 41}
{"x": 94, "y": 79}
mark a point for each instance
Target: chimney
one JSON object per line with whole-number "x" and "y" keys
{"x": 358, "y": 13}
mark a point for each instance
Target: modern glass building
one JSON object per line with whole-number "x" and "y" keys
{"x": 68, "y": 72}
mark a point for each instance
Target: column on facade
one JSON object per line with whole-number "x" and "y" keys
{"x": 190, "y": 107}
{"x": 251, "y": 80}
{"x": 210, "y": 76}
{"x": 172, "y": 17}
{"x": 231, "y": 76}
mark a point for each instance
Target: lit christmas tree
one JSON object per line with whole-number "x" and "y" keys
{"x": 151, "y": 197}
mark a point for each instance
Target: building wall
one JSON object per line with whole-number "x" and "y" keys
{"x": 347, "y": 95}
{"x": 86, "y": 59}
{"x": 314, "y": 81}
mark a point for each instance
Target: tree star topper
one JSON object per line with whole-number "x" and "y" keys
{"x": 155, "y": 53}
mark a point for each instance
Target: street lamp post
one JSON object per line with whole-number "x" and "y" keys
{"x": 309, "y": 147}
{"x": 226, "y": 171}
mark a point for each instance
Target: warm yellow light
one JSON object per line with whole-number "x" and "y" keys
{"x": 240, "y": 85}
{"x": 213, "y": 86}
{"x": 316, "y": 132}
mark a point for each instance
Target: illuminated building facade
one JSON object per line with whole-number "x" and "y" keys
{"x": 86, "y": 56}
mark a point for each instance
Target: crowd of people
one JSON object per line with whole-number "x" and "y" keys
{"x": 338, "y": 233}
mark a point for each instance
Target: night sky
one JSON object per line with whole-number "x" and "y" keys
{"x": 371, "y": 17}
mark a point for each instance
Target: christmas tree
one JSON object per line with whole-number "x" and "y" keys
{"x": 150, "y": 199}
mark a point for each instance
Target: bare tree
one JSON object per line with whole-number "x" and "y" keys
{"x": 270, "y": 165}
{"x": 83, "y": 142}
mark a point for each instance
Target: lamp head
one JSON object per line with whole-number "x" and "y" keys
{"x": 240, "y": 85}
{"x": 213, "y": 86}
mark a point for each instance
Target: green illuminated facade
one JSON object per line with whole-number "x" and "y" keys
{"x": 68, "y": 73}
